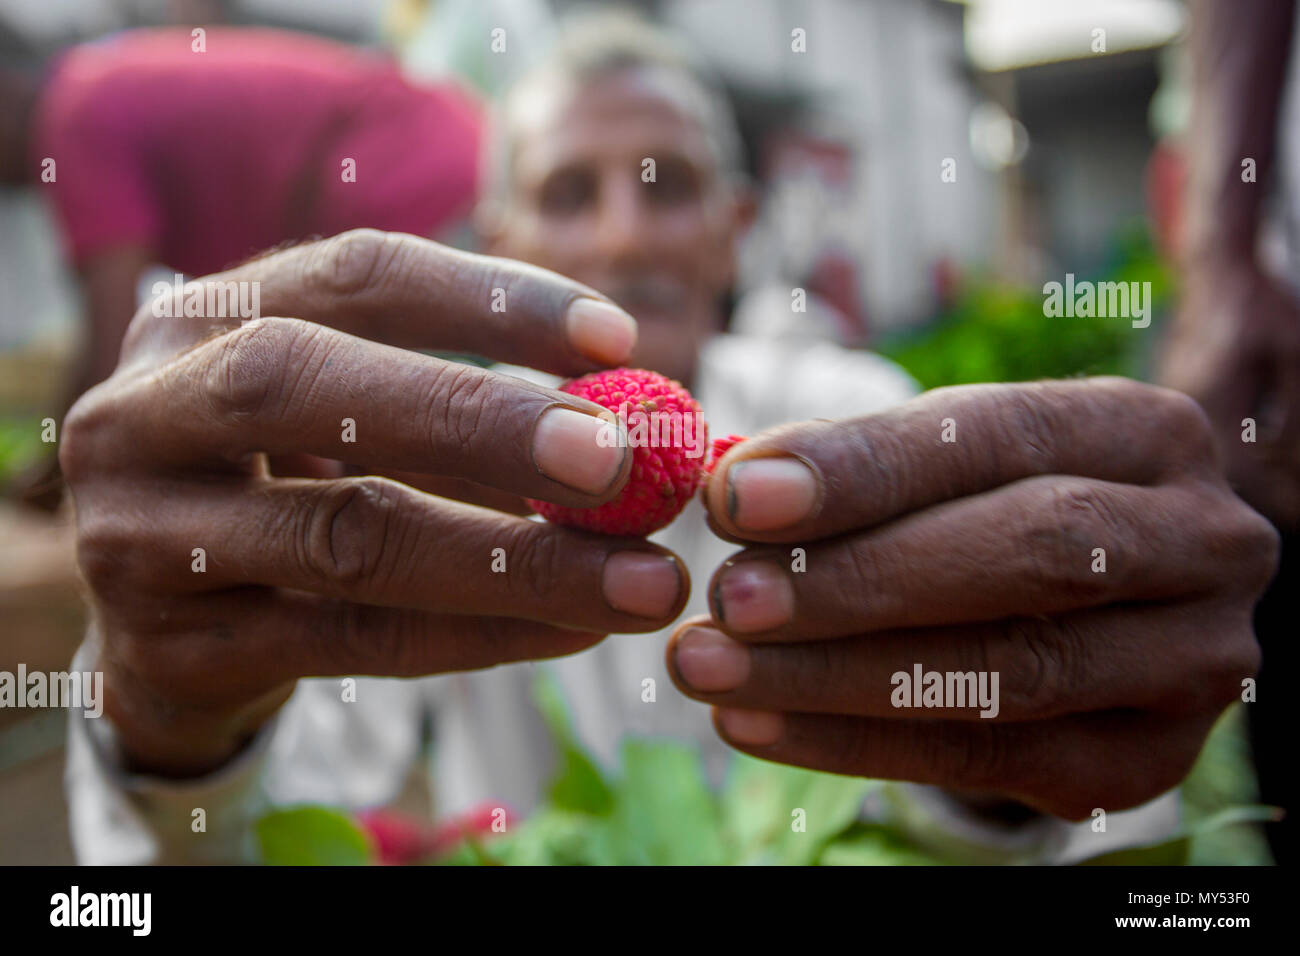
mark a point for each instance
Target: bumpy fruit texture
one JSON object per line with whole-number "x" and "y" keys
{"x": 663, "y": 477}
{"x": 720, "y": 447}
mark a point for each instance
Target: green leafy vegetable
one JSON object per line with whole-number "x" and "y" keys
{"x": 312, "y": 836}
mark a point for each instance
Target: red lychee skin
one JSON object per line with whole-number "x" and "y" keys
{"x": 663, "y": 479}
{"x": 720, "y": 447}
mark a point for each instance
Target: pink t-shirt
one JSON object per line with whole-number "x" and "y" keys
{"x": 208, "y": 158}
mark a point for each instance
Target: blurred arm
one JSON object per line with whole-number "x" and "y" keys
{"x": 1235, "y": 344}
{"x": 109, "y": 281}
{"x": 1239, "y": 63}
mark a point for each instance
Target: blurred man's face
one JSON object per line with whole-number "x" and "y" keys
{"x": 664, "y": 250}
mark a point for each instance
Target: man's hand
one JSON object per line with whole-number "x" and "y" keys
{"x": 216, "y": 584}
{"x": 981, "y": 554}
{"x": 1235, "y": 348}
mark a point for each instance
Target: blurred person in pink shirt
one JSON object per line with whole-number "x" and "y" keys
{"x": 196, "y": 152}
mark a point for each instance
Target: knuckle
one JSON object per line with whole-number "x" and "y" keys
{"x": 887, "y": 461}
{"x": 1221, "y": 667}
{"x": 246, "y": 364}
{"x": 347, "y": 532}
{"x": 1035, "y": 661}
{"x": 459, "y": 406}
{"x": 79, "y": 448}
{"x": 106, "y": 550}
{"x": 541, "y": 564}
{"x": 1029, "y": 422}
{"x": 352, "y": 262}
{"x": 101, "y": 568}
{"x": 1240, "y": 544}
{"x": 857, "y": 568}
{"x": 1184, "y": 425}
{"x": 1077, "y": 521}
{"x": 293, "y": 396}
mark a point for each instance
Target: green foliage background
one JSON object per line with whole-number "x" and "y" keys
{"x": 997, "y": 332}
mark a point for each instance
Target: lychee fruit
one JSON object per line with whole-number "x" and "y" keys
{"x": 657, "y": 417}
{"x": 720, "y": 447}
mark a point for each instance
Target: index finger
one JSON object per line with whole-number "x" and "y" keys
{"x": 817, "y": 479}
{"x": 284, "y": 386}
{"x": 405, "y": 291}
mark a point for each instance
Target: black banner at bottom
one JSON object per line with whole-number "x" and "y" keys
{"x": 232, "y": 905}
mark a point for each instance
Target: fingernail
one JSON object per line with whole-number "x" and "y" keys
{"x": 567, "y": 448}
{"x": 764, "y": 494}
{"x": 708, "y": 660}
{"x": 756, "y": 728}
{"x": 753, "y": 596}
{"x": 600, "y": 331}
{"x": 641, "y": 583}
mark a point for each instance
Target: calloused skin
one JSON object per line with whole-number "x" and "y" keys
{"x": 978, "y": 555}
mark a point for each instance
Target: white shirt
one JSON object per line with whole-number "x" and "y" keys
{"x": 490, "y": 743}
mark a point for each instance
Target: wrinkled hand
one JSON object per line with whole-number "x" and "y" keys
{"x": 179, "y": 451}
{"x": 981, "y": 555}
{"x": 1235, "y": 348}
